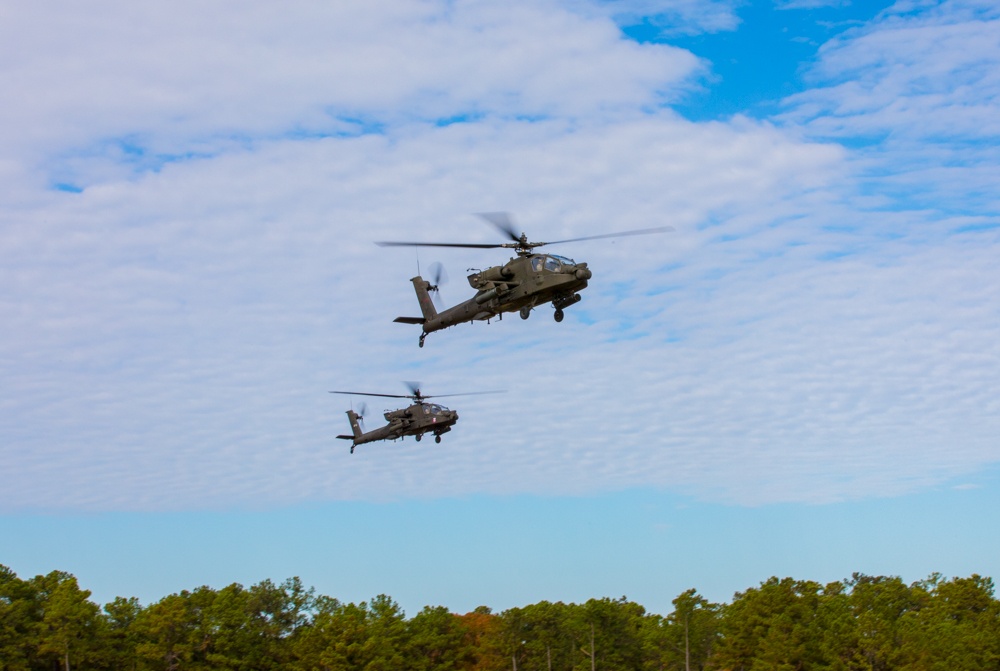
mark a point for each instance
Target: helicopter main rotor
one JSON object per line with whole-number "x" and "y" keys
{"x": 416, "y": 395}
{"x": 520, "y": 244}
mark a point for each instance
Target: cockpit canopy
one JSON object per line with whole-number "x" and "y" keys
{"x": 434, "y": 409}
{"x": 552, "y": 262}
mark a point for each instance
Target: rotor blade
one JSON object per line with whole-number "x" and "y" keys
{"x": 502, "y": 221}
{"x": 644, "y": 231}
{"x": 439, "y": 244}
{"x": 438, "y": 277}
{"x": 414, "y": 388}
{"x": 364, "y": 409}
{"x": 469, "y": 393}
{"x": 362, "y": 393}
{"x": 435, "y": 295}
{"x": 439, "y": 273}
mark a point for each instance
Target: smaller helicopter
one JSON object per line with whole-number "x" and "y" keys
{"x": 520, "y": 285}
{"x": 416, "y": 420}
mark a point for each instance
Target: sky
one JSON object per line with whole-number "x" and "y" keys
{"x": 802, "y": 379}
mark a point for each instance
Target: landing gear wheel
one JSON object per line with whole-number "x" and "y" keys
{"x": 419, "y": 436}
{"x": 525, "y": 313}
{"x": 558, "y": 315}
{"x": 437, "y": 439}
{"x": 424, "y": 335}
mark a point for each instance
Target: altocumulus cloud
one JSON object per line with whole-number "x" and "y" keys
{"x": 176, "y": 312}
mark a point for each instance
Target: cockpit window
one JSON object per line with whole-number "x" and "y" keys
{"x": 432, "y": 409}
{"x": 554, "y": 263}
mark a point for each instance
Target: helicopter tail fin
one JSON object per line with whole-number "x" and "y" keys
{"x": 421, "y": 286}
{"x": 355, "y": 426}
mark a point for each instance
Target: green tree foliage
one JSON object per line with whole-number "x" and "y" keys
{"x": 438, "y": 641}
{"x": 602, "y": 633}
{"x": 166, "y": 633}
{"x": 68, "y": 628}
{"x": 121, "y": 633}
{"x": 865, "y": 623}
{"x": 957, "y": 629}
{"x": 880, "y": 607}
{"x": 773, "y": 626}
{"x": 17, "y": 622}
{"x": 686, "y": 638}
{"x": 369, "y": 636}
{"x": 608, "y": 634}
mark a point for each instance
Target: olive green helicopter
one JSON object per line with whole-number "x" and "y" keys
{"x": 520, "y": 285}
{"x": 419, "y": 418}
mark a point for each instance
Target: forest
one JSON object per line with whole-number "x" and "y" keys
{"x": 49, "y": 623}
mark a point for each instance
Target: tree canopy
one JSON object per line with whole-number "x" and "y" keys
{"x": 863, "y": 623}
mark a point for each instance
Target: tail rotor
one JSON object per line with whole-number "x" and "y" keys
{"x": 362, "y": 413}
{"x": 439, "y": 276}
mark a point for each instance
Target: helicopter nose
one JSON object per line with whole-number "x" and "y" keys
{"x": 583, "y": 274}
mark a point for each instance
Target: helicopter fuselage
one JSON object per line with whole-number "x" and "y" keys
{"x": 520, "y": 285}
{"x": 416, "y": 420}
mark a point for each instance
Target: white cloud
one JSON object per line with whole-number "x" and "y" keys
{"x": 174, "y": 78}
{"x": 810, "y": 4}
{"x": 916, "y": 92}
{"x": 911, "y": 77}
{"x": 170, "y": 335}
{"x": 673, "y": 17}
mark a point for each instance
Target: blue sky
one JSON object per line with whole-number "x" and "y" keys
{"x": 802, "y": 379}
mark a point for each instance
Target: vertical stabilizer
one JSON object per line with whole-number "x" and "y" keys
{"x": 421, "y": 286}
{"x": 355, "y": 425}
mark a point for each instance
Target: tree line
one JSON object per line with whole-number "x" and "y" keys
{"x": 48, "y": 623}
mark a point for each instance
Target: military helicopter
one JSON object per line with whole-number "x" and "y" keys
{"x": 520, "y": 285}
{"x": 416, "y": 420}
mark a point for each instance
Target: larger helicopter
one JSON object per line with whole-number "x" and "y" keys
{"x": 520, "y": 285}
{"x": 416, "y": 420}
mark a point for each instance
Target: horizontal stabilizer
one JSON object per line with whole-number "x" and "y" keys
{"x": 410, "y": 320}
{"x": 346, "y": 437}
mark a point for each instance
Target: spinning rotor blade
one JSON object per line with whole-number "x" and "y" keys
{"x": 439, "y": 277}
{"x": 362, "y": 393}
{"x": 439, "y": 244}
{"x": 469, "y": 393}
{"x": 503, "y": 222}
{"x": 415, "y": 388}
{"x": 643, "y": 231}
{"x": 439, "y": 273}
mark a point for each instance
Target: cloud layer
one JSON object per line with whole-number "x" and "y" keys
{"x": 188, "y": 266}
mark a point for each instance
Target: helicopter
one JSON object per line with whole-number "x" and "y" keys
{"x": 416, "y": 420}
{"x": 520, "y": 285}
